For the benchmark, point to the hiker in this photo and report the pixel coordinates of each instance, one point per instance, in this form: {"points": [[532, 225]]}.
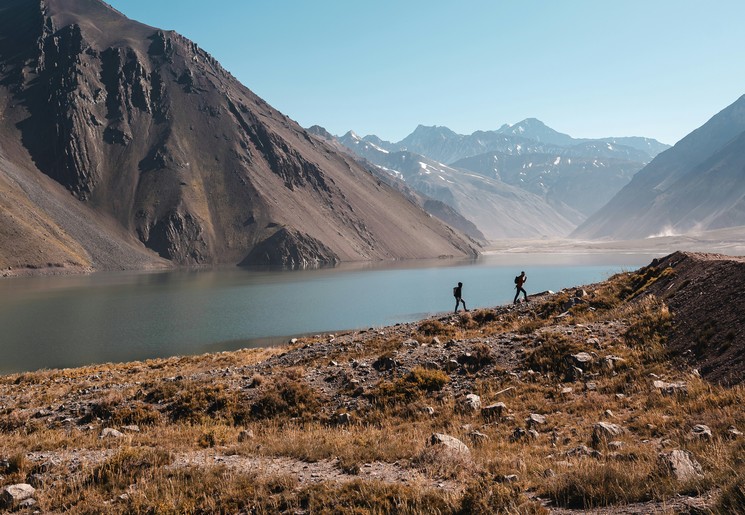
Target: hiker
{"points": [[519, 281], [457, 293]]}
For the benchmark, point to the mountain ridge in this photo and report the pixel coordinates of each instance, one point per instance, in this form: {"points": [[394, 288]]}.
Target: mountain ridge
{"points": [[146, 128]]}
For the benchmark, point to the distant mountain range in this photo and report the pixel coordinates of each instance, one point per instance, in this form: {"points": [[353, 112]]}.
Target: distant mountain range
{"points": [[521, 181], [125, 146], [697, 185]]}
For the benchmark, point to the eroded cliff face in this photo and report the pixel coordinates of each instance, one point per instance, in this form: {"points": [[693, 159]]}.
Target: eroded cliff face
{"points": [[145, 126]]}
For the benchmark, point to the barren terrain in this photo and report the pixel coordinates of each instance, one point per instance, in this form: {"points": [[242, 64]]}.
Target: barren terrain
{"points": [[583, 399]]}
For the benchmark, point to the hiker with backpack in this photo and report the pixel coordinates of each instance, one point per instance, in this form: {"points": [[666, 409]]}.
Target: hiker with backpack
{"points": [[458, 294], [519, 281]]}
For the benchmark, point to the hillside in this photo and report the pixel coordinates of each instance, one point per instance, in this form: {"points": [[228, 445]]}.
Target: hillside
{"points": [[578, 400], [696, 185], [525, 180], [170, 159]]}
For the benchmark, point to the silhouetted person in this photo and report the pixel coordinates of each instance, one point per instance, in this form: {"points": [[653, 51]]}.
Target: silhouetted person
{"points": [[458, 294], [519, 281]]}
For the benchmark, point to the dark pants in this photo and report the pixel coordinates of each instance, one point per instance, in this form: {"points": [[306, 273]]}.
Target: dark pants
{"points": [[458, 300], [517, 294]]}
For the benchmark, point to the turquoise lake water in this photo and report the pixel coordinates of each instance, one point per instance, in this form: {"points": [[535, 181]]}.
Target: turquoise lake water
{"points": [[66, 321]]}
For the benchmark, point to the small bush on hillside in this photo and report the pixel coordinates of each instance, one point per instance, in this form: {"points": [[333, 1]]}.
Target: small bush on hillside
{"points": [[409, 388], [128, 466], [551, 356], [485, 496], [435, 328], [286, 397]]}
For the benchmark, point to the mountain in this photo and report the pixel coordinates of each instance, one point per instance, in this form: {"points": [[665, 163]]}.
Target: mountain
{"points": [[436, 208], [697, 185], [498, 209], [583, 183], [166, 158], [529, 136], [573, 178]]}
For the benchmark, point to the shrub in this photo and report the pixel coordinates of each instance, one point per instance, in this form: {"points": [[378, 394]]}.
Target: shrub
{"points": [[127, 466], [408, 388], [485, 496], [286, 397], [551, 356], [435, 328]]}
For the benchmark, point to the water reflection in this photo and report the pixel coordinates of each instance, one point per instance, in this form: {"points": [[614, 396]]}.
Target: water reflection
{"points": [[69, 321]]}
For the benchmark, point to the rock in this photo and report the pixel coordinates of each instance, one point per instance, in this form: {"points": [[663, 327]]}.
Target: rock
{"points": [[449, 442], [534, 419], [245, 435], [27, 503], [591, 386], [680, 465], [343, 419], [615, 445], [582, 360], [429, 410], [608, 414], [411, 342], [509, 478], [384, 363], [12, 495], [612, 362], [518, 434], [567, 390], [603, 432], [478, 438], [533, 434], [470, 404], [451, 365], [583, 450], [131, 429], [493, 411], [733, 432], [436, 341], [701, 431], [110, 432], [664, 388]]}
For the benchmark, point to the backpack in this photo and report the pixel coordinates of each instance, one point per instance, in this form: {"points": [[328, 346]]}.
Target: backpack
{"points": [[455, 291], [517, 279]]}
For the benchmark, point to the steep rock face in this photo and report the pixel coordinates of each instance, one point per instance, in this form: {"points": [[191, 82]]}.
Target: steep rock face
{"points": [[290, 249], [144, 126], [694, 186]]}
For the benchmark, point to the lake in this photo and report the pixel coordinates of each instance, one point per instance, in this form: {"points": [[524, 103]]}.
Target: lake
{"points": [[67, 321]]}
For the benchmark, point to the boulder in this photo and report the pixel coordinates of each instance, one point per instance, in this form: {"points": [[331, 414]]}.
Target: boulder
{"points": [[477, 437], [733, 433], [493, 411], [680, 465], [664, 388], [110, 432], [534, 419], [12, 495], [582, 360], [450, 443], [701, 432], [605, 432], [470, 404]]}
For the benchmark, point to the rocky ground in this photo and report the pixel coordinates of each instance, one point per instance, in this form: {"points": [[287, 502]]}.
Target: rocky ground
{"points": [[528, 404]]}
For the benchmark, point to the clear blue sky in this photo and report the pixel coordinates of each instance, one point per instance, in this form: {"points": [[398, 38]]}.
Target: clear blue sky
{"points": [[589, 68]]}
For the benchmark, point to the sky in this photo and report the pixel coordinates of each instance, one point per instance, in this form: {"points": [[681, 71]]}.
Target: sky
{"points": [[587, 68]]}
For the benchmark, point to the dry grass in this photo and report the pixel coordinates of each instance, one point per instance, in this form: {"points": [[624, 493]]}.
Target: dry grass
{"points": [[206, 404]]}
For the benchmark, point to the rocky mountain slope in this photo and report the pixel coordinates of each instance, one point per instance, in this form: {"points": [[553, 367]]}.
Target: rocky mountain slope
{"points": [[568, 178], [171, 158], [697, 185], [496, 208]]}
